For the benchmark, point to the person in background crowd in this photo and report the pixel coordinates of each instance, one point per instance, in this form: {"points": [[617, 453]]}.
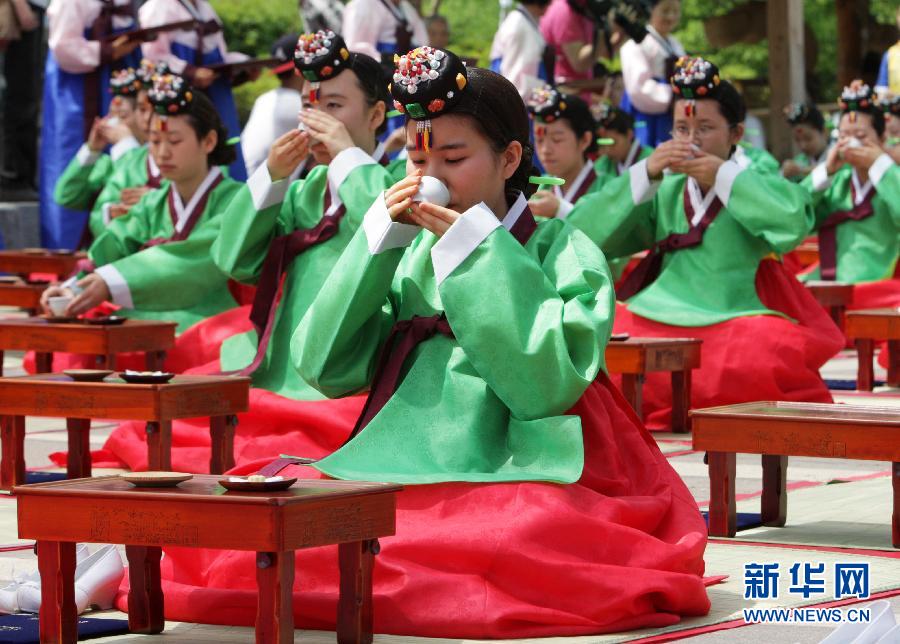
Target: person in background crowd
{"points": [[321, 15], [646, 68], [21, 100], [438, 28], [382, 28], [191, 52], [808, 129], [569, 30], [76, 90], [519, 51], [889, 72], [275, 112], [891, 109]]}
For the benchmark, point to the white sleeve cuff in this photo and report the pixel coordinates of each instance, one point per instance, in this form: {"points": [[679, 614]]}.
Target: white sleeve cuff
{"points": [[105, 210], [642, 188], [264, 192], [819, 176], [123, 146], [86, 156], [118, 287], [463, 237], [344, 163], [725, 177], [382, 233], [564, 208], [879, 168]]}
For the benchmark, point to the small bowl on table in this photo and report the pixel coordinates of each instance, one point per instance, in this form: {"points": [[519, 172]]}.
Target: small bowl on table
{"points": [[146, 377]]}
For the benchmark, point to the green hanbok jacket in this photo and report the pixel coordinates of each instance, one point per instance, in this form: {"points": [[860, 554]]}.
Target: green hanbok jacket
{"points": [[263, 210], [530, 324], [607, 169], [177, 280], [714, 281], [751, 158], [867, 250]]}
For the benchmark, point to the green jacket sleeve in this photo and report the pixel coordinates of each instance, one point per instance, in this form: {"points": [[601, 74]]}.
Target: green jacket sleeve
{"points": [[125, 235], [613, 220], [771, 208], [80, 184], [337, 343], [541, 341], [888, 188]]}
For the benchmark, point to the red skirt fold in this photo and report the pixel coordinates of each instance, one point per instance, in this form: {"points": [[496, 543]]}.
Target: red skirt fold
{"points": [[761, 357], [620, 549]]}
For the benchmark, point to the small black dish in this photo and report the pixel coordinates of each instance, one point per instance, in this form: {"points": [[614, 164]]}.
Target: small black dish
{"points": [[109, 320], [142, 378]]}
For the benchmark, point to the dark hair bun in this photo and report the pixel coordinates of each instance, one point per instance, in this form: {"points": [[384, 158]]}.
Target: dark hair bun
{"points": [[427, 82], [125, 82], [150, 69], [321, 55], [610, 117], [170, 95], [546, 104], [695, 78], [804, 114], [890, 105]]}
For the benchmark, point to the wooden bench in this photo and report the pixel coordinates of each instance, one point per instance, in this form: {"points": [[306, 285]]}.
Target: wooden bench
{"points": [[104, 341], [23, 295], [777, 430], [58, 396], [834, 298], [867, 326], [20, 262], [636, 357], [201, 514]]}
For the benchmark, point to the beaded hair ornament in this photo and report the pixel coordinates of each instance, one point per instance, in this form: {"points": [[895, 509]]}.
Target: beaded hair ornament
{"points": [[546, 105], [125, 83], [796, 113], [318, 57], [170, 96], [427, 82], [856, 97], [149, 69], [890, 106], [694, 78]]}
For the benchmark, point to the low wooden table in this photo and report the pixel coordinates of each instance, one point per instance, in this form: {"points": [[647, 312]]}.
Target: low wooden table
{"points": [[781, 429], [105, 341], [23, 295], [61, 264], [200, 514], [635, 357], [808, 252], [834, 298], [867, 326], [58, 396]]}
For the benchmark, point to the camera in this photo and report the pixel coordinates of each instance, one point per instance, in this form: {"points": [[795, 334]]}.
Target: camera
{"points": [[631, 15]]}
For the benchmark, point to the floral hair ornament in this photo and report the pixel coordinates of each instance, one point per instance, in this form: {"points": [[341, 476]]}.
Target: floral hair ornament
{"points": [[124, 83], [694, 78], [427, 82], [318, 57], [890, 106], [170, 96], [856, 97], [149, 69], [796, 113]]}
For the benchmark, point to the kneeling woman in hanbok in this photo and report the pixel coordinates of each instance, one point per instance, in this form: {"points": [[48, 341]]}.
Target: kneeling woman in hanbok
{"points": [[535, 503], [154, 262], [712, 227]]}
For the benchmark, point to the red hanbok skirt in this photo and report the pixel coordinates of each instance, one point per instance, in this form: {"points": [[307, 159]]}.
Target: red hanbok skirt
{"points": [[760, 357], [620, 549]]}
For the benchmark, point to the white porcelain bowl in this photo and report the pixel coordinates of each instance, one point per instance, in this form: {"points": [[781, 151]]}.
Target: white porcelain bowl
{"points": [[58, 304], [433, 191]]}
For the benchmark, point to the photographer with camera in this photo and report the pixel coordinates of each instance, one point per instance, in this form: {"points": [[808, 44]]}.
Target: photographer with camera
{"points": [[646, 66]]}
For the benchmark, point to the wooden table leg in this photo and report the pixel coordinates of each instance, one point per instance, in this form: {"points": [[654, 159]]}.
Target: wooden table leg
{"points": [[221, 431], [865, 375], [43, 362], [632, 389], [58, 616], [895, 523], [893, 371], [774, 490], [274, 610], [159, 446], [681, 401], [79, 461], [722, 509], [145, 596], [155, 360], [1, 363], [354, 618], [12, 462]]}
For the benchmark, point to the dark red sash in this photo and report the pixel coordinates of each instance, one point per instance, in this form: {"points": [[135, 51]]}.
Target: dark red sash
{"points": [[282, 251], [193, 218], [828, 232], [585, 185], [153, 181], [646, 272]]}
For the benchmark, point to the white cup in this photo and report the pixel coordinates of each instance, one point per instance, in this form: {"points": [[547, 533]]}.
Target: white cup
{"points": [[433, 191], [59, 304]]}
